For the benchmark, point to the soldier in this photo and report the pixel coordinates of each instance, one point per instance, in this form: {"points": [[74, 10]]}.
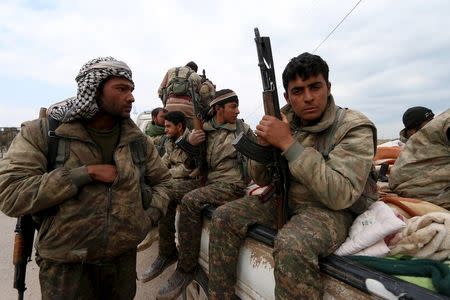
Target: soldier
{"points": [[224, 182], [323, 186], [180, 167], [175, 90], [423, 168], [414, 119], [94, 202], [179, 163], [155, 129]]}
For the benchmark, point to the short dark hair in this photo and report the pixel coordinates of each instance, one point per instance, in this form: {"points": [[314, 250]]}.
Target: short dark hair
{"points": [[305, 65], [155, 113], [176, 117], [192, 65]]}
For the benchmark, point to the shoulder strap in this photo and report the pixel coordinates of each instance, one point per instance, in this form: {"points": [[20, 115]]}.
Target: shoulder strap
{"points": [[55, 153], [52, 143], [239, 126], [324, 142], [177, 70], [161, 147], [242, 159], [139, 150]]}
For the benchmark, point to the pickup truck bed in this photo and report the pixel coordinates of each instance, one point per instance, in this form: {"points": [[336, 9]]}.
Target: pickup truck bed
{"points": [[343, 278]]}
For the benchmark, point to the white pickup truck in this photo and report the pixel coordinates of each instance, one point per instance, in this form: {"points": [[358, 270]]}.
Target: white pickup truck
{"points": [[343, 278]]}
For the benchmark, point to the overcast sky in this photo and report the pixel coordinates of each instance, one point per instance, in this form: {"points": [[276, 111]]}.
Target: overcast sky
{"points": [[385, 57]]}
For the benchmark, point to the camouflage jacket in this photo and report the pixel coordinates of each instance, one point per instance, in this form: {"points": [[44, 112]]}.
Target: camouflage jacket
{"points": [[337, 182], [93, 221], [423, 168], [177, 160], [221, 156]]}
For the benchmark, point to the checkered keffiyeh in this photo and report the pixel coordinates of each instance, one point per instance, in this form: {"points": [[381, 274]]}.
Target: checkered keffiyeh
{"points": [[84, 105]]}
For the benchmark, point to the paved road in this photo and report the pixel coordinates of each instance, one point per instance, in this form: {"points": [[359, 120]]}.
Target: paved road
{"points": [[144, 291]]}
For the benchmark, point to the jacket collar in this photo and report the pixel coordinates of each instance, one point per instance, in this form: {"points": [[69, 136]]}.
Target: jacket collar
{"points": [[77, 130], [211, 126], [402, 135], [183, 136], [325, 122]]}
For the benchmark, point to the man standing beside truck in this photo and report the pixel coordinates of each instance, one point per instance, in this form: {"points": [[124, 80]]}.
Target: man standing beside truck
{"points": [[106, 188], [329, 151]]}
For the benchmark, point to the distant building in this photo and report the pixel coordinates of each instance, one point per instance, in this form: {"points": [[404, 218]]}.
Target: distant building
{"points": [[7, 134]]}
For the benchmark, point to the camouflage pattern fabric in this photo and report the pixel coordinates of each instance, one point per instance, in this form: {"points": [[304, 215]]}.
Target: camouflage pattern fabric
{"points": [[222, 158], [423, 168], [94, 221], [166, 226], [115, 279], [338, 181], [179, 163], [321, 192], [311, 233], [190, 223]]}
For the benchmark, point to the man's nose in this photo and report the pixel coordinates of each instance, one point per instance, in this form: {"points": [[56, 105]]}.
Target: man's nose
{"points": [[308, 95], [131, 98]]}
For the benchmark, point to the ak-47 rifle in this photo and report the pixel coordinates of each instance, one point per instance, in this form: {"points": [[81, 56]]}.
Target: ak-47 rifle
{"points": [[23, 243], [23, 246], [197, 152], [270, 156]]}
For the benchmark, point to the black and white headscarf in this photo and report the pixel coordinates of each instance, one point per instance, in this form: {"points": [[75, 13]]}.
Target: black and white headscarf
{"points": [[84, 105]]}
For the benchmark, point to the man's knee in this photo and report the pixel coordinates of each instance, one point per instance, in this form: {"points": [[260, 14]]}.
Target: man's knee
{"points": [[189, 200], [222, 218], [293, 247]]}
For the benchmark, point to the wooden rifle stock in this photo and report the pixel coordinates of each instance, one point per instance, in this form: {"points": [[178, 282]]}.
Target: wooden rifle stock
{"points": [[23, 247]]}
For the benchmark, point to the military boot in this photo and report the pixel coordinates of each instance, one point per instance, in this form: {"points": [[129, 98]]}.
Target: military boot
{"points": [[174, 286], [158, 266]]}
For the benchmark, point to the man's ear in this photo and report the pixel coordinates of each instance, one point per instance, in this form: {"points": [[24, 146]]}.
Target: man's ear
{"points": [[329, 88], [217, 108], [286, 97]]}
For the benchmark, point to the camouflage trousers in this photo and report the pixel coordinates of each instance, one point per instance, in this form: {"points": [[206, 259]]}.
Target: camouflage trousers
{"points": [[166, 225], [115, 279], [190, 222], [312, 232]]}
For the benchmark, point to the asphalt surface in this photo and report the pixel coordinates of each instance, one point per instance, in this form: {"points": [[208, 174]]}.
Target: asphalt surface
{"points": [[146, 290]]}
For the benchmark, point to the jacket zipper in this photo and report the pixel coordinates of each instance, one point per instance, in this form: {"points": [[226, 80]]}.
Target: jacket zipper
{"points": [[108, 208], [108, 211]]}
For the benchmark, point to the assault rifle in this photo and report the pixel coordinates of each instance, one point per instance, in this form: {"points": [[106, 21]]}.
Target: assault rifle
{"points": [[270, 156], [23, 246], [23, 243], [197, 152]]}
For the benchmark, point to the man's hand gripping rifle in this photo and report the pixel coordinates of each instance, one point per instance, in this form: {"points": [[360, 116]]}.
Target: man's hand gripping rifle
{"points": [[270, 156]]}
